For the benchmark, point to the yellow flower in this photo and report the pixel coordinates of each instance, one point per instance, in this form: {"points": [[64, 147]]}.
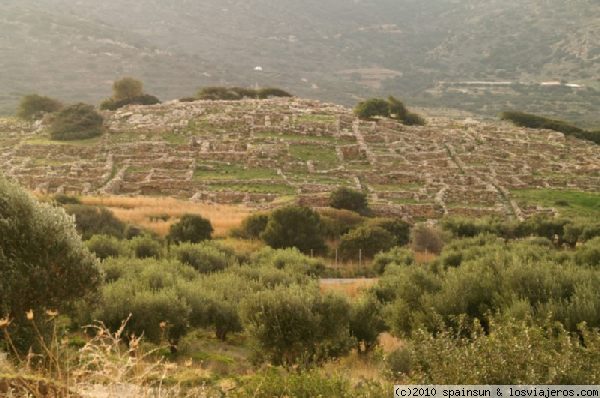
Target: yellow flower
{"points": [[29, 315], [52, 313]]}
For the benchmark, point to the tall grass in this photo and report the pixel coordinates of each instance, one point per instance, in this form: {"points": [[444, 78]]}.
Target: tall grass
{"points": [[158, 214]]}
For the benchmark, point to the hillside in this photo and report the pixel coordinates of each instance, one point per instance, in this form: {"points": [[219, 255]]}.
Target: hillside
{"points": [[264, 153], [428, 52]]}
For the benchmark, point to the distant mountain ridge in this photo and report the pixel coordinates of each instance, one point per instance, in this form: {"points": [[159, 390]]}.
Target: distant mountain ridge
{"points": [[335, 50]]}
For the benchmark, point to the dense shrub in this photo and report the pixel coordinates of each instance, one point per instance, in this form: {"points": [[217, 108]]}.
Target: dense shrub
{"points": [[397, 255], [127, 88], [371, 108], [111, 104], [349, 199], [426, 239], [35, 106], [366, 241], [366, 322], [66, 200], [290, 260], [105, 246], [295, 325], [239, 93], [529, 354], [145, 247], [253, 226], [203, 257], [336, 222], [589, 253], [76, 122], [91, 220], [43, 262], [191, 228], [294, 226], [399, 229]]}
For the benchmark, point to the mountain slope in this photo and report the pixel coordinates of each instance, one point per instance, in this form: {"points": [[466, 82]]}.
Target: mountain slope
{"points": [[334, 49]]}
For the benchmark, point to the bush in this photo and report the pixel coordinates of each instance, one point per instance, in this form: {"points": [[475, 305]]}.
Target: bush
{"points": [[145, 99], [399, 229], [397, 256], [191, 228], [253, 226], [366, 323], [349, 199], [426, 239], [76, 122], [291, 260], [239, 93], [589, 253], [294, 226], [127, 88], [295, 325], [66, 200], [91, 221], [145, 247], [365, 240], [104, 246], [33, 107], [203, 257], [371, 108], [43, 262], [336, 223]]}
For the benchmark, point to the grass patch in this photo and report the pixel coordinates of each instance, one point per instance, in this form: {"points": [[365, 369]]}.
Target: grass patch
{"points": [[234, 172], [295, 137], [322, 156], [568, 203], [279, 189], [175, 139], [42, 140], [317, 118]]}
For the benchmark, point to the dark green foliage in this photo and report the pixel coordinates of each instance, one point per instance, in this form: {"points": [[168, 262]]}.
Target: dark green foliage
{"points": [[66, 200], [203, 257], [239, 93], [91, 220], [76, 122], [397, 256], [145, 247], [391, 108], [349, 199], [104, 246], [43, 262], [191, 228], [35, 106], [399, 229], [371, 108], [530, 354], [366, 322], [127, 88], [295, 325], [338, 222], [426, 239], [413, 119], [539, 122], [253, 226], [294, 226], [187, 99], [399, 361], [366, 241], [145, 99]]}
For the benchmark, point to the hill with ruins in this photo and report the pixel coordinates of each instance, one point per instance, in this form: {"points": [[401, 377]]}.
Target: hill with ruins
{"points": [[263, 153], [484, 56]]}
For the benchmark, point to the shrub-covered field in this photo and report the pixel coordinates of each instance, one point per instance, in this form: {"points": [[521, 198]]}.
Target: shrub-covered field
{"points": [[188, 314]]}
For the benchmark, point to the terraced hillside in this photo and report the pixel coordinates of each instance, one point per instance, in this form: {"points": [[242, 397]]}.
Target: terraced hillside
{"points": [[263, 153]]}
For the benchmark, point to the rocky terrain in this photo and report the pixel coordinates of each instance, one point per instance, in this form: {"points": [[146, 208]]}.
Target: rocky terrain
{"points": [[264, 152]]}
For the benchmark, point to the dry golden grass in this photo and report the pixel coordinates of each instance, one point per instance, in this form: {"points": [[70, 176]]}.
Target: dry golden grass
{"points": [[423, 258], [389, 343], [350, 289], [243, 246], [158, 214]]}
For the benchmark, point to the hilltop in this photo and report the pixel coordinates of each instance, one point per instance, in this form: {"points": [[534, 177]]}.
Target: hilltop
{"points": [[268, 152], [431, 53]]}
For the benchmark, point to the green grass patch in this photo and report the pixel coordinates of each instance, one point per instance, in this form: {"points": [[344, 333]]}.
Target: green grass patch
{"points": [[323, 157], [279, 189], [43, 140], [175, 139], [568, 203], [395, 187], [317, 118], [234, 172], [295, 137]]}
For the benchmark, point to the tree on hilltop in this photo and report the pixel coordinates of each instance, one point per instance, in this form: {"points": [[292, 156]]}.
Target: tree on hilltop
{"points": [[128, 91], [33, 107]]}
